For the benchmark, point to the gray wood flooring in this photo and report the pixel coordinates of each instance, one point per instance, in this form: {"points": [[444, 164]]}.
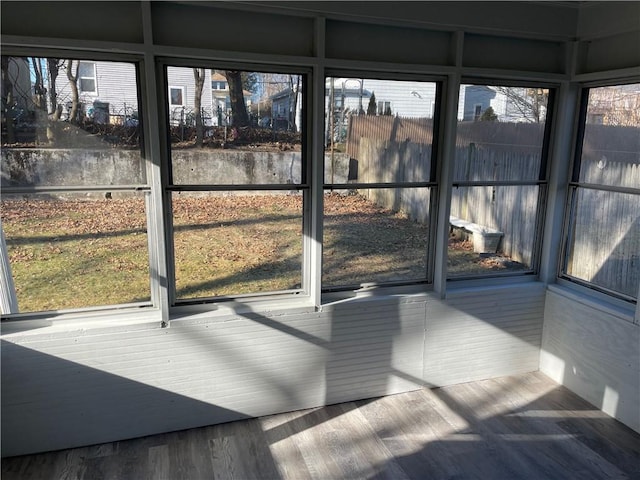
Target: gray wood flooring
{"points": [[520, 427]]}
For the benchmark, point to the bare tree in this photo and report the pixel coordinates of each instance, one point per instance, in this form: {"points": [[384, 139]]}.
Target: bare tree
{"points": [[72, 76], [7, 100], [199, 77], [239, 116], [529, 104], [294, 86], [617, 105], [40, 99], [53, 69]]}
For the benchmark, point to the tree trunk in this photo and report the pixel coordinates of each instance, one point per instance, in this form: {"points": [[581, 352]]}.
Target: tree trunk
{"points": [[239, 116], [75, 96], [198, 75], [294, 101], [7, 100], [40, 101], [55, 110]]}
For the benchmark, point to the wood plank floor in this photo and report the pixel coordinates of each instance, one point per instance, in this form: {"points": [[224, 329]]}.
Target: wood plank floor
{"points": [[520, 427]]}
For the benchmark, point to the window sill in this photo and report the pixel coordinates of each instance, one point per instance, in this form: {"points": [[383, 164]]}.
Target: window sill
{"points": [[126, 319], [457, 286], [619, 309], [186, 315]]}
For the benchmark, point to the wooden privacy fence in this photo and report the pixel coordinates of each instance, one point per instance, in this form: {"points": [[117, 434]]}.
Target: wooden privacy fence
{"points": [[393, 149], [606, 240], [388, 149], [387, 129]]}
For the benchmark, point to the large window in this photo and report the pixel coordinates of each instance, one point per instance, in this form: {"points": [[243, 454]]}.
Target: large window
{"points": [[603, 232], [379, 182], [74, 188], [499, 179], [238, 193]]}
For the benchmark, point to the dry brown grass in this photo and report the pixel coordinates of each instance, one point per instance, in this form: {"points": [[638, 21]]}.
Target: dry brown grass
{"points": [[80, 253]]}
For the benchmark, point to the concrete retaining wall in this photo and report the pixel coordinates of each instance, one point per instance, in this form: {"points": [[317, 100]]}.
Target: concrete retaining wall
{"points": [[78, 167]]}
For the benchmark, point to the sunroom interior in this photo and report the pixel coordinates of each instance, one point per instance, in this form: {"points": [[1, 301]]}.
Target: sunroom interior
{"points": [[419, 195]]}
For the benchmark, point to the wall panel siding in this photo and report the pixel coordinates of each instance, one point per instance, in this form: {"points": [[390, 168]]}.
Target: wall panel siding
{"points": [[594, 353], [90, 386], [484, 334]]}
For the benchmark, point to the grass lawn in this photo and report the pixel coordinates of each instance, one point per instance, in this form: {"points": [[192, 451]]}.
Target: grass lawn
{"points": [[80, 253]]}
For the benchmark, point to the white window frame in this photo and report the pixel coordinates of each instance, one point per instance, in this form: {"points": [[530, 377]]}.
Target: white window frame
{"points": [[409, 285], [93, 92], [299, 297], [182, 96], [542, 182], [575, 187], [8, 298]]}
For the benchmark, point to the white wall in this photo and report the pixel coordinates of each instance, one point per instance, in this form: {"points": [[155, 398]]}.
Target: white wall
{"points": [[80, 385], [595, 352]]}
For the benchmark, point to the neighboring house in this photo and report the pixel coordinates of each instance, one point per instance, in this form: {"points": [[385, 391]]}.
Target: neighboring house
{"points": [[282, 109], [408, 99], [478, 98], [181, 85], [221, 100], [108, 93]]}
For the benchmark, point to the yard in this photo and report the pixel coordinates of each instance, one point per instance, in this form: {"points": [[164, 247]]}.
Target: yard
{"points": [[67, 254]]}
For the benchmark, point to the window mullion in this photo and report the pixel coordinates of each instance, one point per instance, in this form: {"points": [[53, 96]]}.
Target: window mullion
{"points": [[151, 87]]}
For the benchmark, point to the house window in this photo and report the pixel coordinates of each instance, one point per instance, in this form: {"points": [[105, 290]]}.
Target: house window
{"points": [[499, 179], [176, 96], [379, 184], [384, 108], [477, 112], [73, 213], [87, 77], [602, 247], [238, 215]]}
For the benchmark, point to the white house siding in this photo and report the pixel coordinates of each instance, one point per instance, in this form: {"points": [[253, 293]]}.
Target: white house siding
{"points": [[404, 102], [79, 386], [183, 77], [593, 352], [115, 85]]}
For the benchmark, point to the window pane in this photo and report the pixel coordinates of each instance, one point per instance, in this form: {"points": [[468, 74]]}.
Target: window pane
{"points": [[378, 131], [604, 245], [67, 141], [612, 137], [501, 133], [72, 249], [248, 134], [492, 229], [87, 85], [74, 253], [237, 244], [86, 69], [367, 240], [176, 96]]}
